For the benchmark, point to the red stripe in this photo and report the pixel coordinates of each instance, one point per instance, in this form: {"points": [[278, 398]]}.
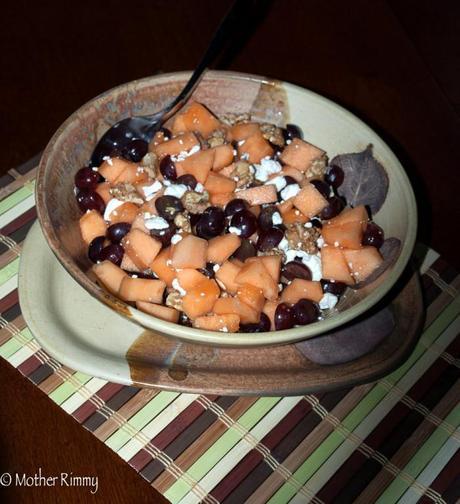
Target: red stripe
{"points": [[88, 408], [17, 223], [9, 301], [29, 365]]}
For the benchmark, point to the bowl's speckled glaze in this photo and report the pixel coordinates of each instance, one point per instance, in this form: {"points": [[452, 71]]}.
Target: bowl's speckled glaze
{"points": [[323, 122]]}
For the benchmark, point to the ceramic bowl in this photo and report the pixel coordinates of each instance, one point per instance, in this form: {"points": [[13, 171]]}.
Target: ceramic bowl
{"points": [[323, 122]]}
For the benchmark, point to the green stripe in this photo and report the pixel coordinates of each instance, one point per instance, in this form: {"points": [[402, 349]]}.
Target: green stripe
{"points": [[420, 459], [141, 419], [16, 197], [364, 407], [224, 444], [66, 389], [9, 271], [11, 346]]}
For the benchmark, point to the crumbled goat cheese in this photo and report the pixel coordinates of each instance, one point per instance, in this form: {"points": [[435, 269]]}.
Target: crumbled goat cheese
{"points": [[176, 239], [312, 262], [320, 242], [224, 329], [283, 244], [176, 285], [279, 182], [216, 268], [177, 190], [185, 154], [266, 168], [290, 191], [108, 159], [156, 222], [328, 301], [150, 191], [234, 230], [308, 225], [111, 205], [276, 218], [199, 187]]}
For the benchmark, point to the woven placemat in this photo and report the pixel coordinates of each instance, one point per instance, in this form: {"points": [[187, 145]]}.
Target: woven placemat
{"points": [[395, 440]]}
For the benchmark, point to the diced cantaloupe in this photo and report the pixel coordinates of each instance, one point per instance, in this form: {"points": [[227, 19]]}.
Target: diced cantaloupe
{"points": [[128, 265], [241, 131], [162, 269], [142, 289], [92, 225], [221, 199], [149, 206], [200, 300], [190, 252], [139, 223], [189, 278], [132, 174], [259, 195], [334, 265], [222, 247], [109, 275], [310, 201], [269, 310], [127, 212], [227, 322], [300, 154], [199, 165], [271, 262], [255, 209], [196, 117], [141, 248], [302, 289], [357, 214], [113, 167], [285, 206], [293, 216], [256, 274], [347, 235], [252, 296], [223, 156], [173, 147], [218, 184], [247, 314], [255, 148], [162, 312], [103, 189], [226, 276], [362, 262], [290, 171]]}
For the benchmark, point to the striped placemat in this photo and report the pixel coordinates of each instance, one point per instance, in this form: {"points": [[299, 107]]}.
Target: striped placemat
{"points": [[395, 440]]}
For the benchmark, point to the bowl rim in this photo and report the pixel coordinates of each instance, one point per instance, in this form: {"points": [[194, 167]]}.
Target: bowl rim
{"points": [[215, 337]]}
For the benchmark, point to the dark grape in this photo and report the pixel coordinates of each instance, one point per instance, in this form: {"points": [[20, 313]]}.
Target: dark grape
{"points": [[184, 320], [296, 269], [316, 223], [305, 312], [262, 326], [113, 252], [373, 235], [211, 223], [164, 235], [86, 178], [336, 288], [116, 232], [188, 180], [322, 187], [194, 218], [90, 200], [95, 248], [166, 133], [335, 176], [290, 180], [269, 239], [245, 250], [336, 205], [291, 131], [284, 317], [168, 168], [246, 222], [265, 218], [277, 150], [168, 207], [135, 150], [234, 206], [208, 270]]}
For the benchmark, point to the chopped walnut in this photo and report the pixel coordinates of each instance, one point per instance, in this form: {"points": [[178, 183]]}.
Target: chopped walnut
{"points": [[126, 192], [150, 164], [217, 138], [195, 202], [182, 222], [232, 119], [272, 133], [174, 300], [302, 238], [317, 169], [243, 174]]}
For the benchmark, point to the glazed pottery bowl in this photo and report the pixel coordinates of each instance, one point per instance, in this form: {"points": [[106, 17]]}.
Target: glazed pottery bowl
{"points": [[323, 122]]}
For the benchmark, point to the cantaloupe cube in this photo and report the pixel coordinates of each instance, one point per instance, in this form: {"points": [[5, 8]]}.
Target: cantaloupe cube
{"points": [[252, 296], [300, 154], [196, 118], [255, 148], [199, 165], [290, 171], [124, 213], [269, 310], [189, 278], [221, 199], [162, 312], [294, 215], [259, 195], [255, 209], [247, 314], [241, 131], [200, 300], [103, 189], [227, 170], [285, 206], [141, 289], [141, 248], [347, 235], [173, 147], [217, 183], [109, 275], [92, 225], [112, 167], [190, 252], [271, 262], [357, 214], [128, 265], [162, 269], [334, 265], [133, 174], [223, 156], [149, 206], [139, 223], [226, 275], [362, 262], [256, 274], [302, 289], [227, 322], [222, 247], [310, 201]]}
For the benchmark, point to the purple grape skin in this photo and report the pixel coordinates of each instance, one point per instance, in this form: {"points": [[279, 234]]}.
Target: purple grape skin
{"points": [[305, 312], [296, 269], [321, 187], [373, 236], [234, 206], [292, 131], [95, 248], [116, 232], [336, 288], [208, 270], [90, 200], [113, 253], [168, 168], [284, 317], [262, 326], [135, 150], [168, 207], [290, 180], [265, 218], [336, 205], [164, 235], [86, 178], [194, 218], [188, 180], [211, 223], [166, 133], [315, 222], [246, 222], [335, 176], [245, 250], [269, 239]]}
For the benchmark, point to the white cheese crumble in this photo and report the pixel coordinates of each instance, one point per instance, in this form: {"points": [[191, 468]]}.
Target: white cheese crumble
{"points": [[320, 242], [276, 218], [176, 190], [290, 191], [199, 187], [279, 182], [150, 191], [185, 154], [176, 239], [328, 301], [156, 222], [312, 262], [108, 159], [308, 225], [266, 168], [216, 268], [111, 205], [176, 285], [224, 329], [283, 244], [234, 230]]}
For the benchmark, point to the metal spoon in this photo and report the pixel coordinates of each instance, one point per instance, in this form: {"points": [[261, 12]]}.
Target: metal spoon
{"points": [[143, 128]]}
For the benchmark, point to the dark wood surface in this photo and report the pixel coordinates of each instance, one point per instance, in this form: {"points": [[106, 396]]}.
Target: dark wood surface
{"points": [[394, 63]]}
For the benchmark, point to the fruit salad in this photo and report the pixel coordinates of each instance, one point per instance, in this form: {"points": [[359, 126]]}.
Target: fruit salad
{"points": [[225, 224]]}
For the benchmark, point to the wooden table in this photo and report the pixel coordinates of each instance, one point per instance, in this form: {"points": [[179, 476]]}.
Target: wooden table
{"points": [[394, 63]]}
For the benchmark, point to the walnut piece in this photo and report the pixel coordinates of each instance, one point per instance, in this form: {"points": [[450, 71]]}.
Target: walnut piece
{"points": [[174, 300], [182, 222], [317, 168], [302, 238], [243, 174], [232, 119], [150, 164], [272, 133], [217, 138], [195, 202], [126, 192]]}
